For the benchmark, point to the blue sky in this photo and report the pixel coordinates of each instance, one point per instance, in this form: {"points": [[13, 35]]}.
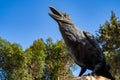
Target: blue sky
{"points": [[24, 21]]}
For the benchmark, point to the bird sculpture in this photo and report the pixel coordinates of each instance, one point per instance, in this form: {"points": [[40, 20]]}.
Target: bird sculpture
{"points": [[82, 46]]}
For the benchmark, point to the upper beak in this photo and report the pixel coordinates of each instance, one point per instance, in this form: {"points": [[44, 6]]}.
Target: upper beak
{"points": [[56, 14]]}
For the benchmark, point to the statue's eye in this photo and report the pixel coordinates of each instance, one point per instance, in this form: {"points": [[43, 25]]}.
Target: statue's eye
{"points": [[65, 15]]}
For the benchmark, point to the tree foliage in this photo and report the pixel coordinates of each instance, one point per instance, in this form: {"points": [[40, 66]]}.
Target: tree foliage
{"points": [[12, 61], [36, 59], [41, 61], [109, 38], [58, 61]]}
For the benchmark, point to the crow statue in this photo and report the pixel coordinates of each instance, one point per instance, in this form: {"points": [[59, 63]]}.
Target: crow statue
{"points": [[82, 46]]}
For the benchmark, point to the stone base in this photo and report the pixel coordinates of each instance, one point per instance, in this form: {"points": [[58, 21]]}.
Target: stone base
{"points": [[89, 77]]}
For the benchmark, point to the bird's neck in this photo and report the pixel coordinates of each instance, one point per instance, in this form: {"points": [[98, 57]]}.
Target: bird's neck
{"points": [[68, 32]]}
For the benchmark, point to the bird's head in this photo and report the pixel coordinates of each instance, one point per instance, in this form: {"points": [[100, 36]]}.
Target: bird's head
{"points": [[60, 17]]}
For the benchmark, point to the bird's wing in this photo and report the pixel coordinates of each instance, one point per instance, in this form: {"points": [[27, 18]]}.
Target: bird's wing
{"points": [[92, 40]]}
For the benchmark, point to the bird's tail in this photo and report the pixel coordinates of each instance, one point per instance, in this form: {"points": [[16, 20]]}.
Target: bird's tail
{"points": [[104, 71]]}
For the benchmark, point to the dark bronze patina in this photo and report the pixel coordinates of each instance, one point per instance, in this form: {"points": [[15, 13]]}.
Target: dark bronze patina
{"points": [[82, 46]]}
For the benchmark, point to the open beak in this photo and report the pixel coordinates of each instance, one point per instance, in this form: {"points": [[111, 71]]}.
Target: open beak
{"points": [[56, 15]]}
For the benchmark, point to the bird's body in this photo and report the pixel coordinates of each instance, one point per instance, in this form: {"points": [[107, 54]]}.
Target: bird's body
{"points": [[81, 45]]}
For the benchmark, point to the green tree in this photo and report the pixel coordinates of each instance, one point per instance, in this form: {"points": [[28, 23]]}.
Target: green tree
{"points": [[109, 38], [57, 62], [41, 61], [36, 59], [12, 61]]}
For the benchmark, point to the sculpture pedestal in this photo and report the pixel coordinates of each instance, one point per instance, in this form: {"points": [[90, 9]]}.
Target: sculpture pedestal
{"points": [[89, 77]]}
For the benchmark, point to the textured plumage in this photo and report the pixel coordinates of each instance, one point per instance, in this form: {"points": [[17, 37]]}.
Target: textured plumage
{"points": [[81, 45]]}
